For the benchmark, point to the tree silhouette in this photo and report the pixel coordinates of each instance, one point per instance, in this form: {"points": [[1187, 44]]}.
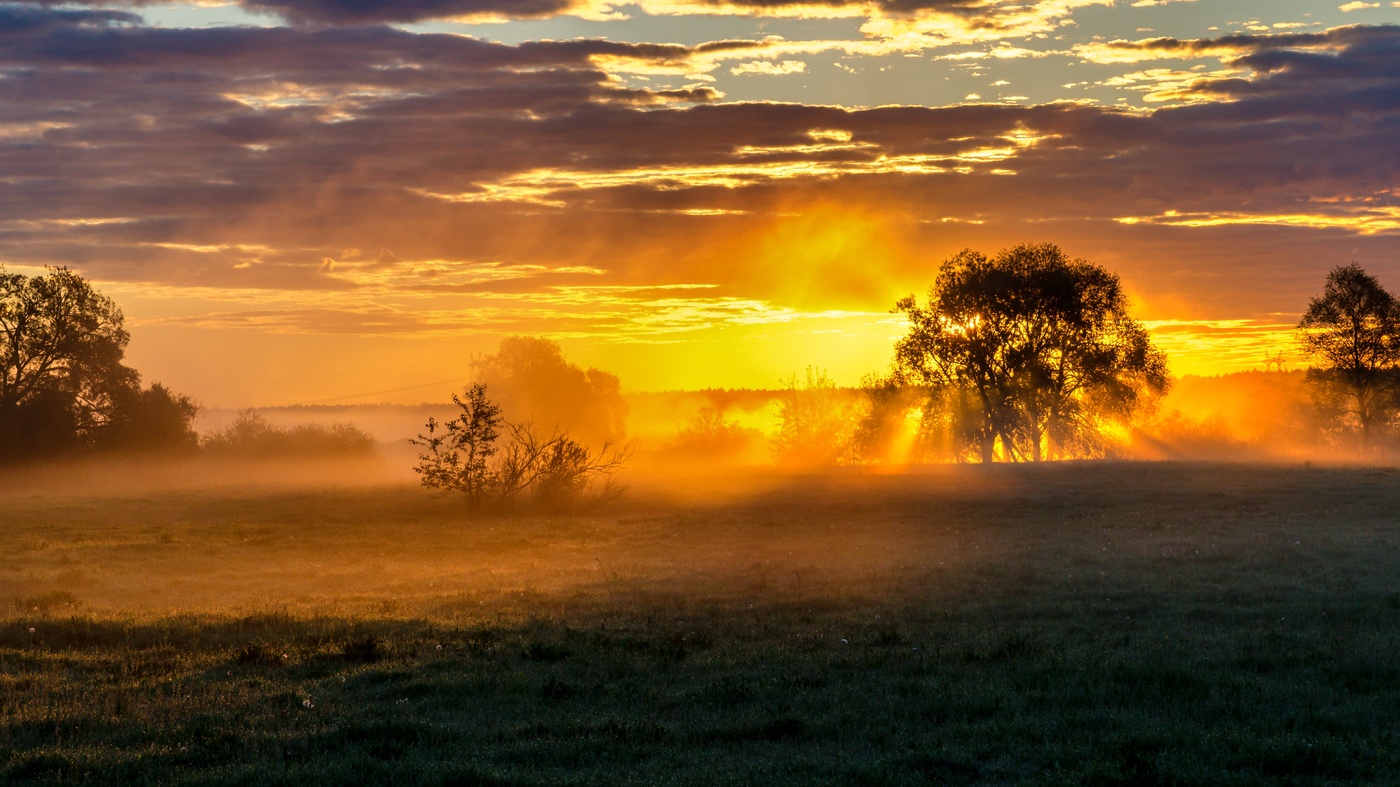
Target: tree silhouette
{"points": [[1353, 330], [154, 419], [1030, 352], [458, 453], [63, 386]]}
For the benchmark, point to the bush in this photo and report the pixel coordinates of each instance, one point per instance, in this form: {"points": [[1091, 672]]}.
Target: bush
{"points": [[709, 435], [251, 436], [463, 455]]}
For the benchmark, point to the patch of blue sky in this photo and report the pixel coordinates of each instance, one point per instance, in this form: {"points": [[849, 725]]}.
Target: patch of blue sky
{"points": [[186, 15]]}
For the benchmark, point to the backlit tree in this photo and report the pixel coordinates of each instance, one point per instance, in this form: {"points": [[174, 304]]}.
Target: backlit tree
{"points": [[1352, 332], [63, 386], [1033, 355]]}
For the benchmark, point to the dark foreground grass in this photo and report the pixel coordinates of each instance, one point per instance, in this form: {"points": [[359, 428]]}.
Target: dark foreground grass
{"points": [[1071, 625]]}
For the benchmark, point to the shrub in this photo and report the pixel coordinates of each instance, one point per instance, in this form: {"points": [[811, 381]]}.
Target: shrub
{"points": [[710, 435], [557, 472], [252, 436]]}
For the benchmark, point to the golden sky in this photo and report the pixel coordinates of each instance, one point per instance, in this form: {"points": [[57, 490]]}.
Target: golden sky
{"points": [[346, 200]]}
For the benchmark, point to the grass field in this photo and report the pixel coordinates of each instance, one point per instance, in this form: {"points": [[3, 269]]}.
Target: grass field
{"points": [[1068, 624]]}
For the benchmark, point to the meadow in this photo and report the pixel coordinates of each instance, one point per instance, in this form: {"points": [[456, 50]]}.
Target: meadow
{"points": [[1077, 623]]}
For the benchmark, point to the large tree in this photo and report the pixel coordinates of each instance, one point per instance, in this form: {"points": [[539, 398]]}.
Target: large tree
{"points": [[62, 382], [1029, 351], [533, 381], [1353, 332]]}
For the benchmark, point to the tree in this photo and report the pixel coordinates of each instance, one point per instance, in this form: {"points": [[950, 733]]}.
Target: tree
{"points": [[883, 433], [533, 381], [1030, 352], [458, 455], [63, 386], [816, 422], [154, 419], [709, 435], [1353, 330], [462, 455]]}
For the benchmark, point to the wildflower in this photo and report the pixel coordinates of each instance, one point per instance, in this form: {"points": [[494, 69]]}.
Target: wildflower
{"points": [[439, 647], [307, 704], [31, 629]]}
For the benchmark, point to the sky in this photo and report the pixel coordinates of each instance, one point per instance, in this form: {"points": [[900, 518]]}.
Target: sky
{"points": [[345, 201]]}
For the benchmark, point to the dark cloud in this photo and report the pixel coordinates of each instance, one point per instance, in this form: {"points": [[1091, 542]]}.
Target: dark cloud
{"points": [[1255, 49], [17, 19], [352, 12], [363, 12]]}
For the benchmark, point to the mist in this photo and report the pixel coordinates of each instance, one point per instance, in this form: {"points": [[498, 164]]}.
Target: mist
{"points": [[716, 444]]}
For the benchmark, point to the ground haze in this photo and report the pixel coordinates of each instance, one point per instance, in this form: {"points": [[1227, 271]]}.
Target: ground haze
{"points": [[1110, 623]]}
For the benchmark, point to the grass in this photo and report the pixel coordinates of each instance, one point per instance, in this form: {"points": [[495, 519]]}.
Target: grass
{"points": [[1073, 624]]}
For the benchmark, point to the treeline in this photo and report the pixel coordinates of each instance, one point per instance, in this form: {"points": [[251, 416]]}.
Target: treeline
{"points": [[1023, 356]]}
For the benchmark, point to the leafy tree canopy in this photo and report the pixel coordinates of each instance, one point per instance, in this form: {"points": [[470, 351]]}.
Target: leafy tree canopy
{"points": [[1032, 353], [532, 381], [1352, 331], [63, 386]]}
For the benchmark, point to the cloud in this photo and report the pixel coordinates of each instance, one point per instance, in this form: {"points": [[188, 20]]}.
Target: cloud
{"points": [[497, 187], [770, 68], [908, 24], [355, 12], [1228, 47]]}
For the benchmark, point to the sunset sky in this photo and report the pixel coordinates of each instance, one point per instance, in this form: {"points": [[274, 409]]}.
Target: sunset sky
{"points": [[317, 201]]}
